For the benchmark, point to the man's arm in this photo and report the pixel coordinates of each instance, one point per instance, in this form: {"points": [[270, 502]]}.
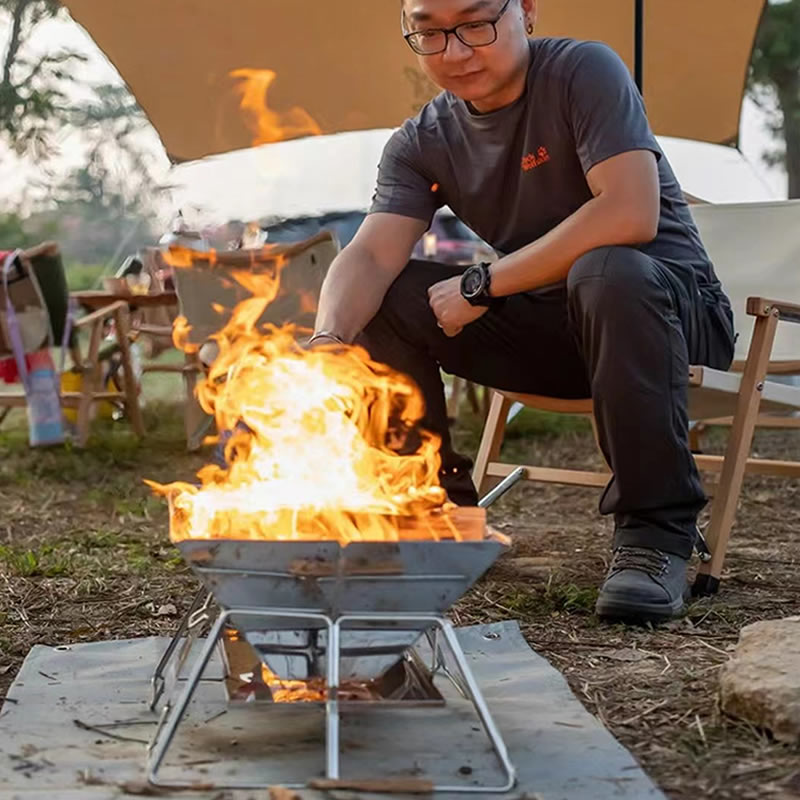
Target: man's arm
{"points": [[361, 274], [625, 210]]}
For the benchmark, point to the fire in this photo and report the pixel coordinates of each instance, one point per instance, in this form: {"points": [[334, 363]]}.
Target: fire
{"points": [[257, 675], [319, 443], [285, 691], [268, 125]]}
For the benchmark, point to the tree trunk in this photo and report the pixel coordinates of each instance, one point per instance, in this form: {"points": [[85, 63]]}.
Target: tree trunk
{"points": [[789, 99], [14, 41], [792, 132]]}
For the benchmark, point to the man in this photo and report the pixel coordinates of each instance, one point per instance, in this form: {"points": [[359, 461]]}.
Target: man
{"points": [[603, 289]]}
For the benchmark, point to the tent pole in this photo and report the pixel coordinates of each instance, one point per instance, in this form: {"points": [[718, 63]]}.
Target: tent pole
{"points": [[638, 48]]}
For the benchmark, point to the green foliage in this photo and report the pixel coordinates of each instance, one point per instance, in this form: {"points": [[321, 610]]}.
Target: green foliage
{"points": [[529, 424], [775, 69], [16, 232], [556, 597], [46, 561], [776, 57], [83, 276], [569, 597]]}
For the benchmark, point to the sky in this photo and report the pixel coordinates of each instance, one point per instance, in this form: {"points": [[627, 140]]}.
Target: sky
{"points": [[337, 172]]}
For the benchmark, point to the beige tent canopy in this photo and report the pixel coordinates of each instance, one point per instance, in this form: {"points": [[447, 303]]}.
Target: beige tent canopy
{"points": [[346, 65]]}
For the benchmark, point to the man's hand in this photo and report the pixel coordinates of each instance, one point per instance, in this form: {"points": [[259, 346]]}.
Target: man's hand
{"points": [[452, 311]]}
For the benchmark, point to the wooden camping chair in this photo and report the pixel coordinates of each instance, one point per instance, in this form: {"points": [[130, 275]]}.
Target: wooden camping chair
{"points": [[205, 286], [767, 235], [45, 266], [746, 398]]}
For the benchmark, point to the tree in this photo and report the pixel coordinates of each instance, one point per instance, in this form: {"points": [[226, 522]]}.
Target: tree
{"points": [[33, 101], [36, 102], [106, 199], [775, 70], [14, 232], [110, 123]]}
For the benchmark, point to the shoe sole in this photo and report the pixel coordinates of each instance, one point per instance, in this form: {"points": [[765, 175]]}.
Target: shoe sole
{"points": [[637, 612]]}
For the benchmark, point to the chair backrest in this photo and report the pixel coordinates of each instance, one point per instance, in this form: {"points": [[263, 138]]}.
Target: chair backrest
{"points": [[204, 286], [37, 289], [755, 248]]}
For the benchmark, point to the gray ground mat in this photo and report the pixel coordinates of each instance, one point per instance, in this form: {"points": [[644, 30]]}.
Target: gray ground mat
{"points": [[561, 752]]}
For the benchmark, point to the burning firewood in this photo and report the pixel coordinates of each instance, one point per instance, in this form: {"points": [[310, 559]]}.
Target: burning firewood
{"points": [[312, 449]]}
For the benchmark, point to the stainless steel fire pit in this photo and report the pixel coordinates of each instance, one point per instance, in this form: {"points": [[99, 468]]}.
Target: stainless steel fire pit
{"points": [[340, 616]]}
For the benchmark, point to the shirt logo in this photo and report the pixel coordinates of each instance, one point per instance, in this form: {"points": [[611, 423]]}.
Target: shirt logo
{"points": [[533, 160]]}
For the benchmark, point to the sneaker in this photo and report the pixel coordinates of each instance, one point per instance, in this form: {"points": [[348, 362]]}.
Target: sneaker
{"points": [[644, 585]]}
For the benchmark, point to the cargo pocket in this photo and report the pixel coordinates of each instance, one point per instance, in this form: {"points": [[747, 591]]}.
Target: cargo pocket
{"points": [[721, 333]]}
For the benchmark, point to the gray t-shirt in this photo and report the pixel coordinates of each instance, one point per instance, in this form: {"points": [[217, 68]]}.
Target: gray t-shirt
{"points": [[514, 174]]}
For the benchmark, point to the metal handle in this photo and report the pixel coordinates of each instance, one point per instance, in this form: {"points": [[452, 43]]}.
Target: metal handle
{"points": [[507, 483]]}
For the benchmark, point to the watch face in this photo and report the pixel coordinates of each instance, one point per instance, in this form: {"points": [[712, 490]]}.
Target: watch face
{"points": [[473, 282]]}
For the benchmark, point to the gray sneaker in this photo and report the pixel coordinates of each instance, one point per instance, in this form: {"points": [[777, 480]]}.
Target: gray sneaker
{"points": [[644, 585]]}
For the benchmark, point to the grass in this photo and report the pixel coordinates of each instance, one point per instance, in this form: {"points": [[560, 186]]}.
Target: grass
{"points": [[569, 597], [557, 595], [529, 423], [83, 276]]}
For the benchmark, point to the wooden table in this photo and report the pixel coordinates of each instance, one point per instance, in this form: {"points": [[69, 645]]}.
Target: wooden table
{"points": [[101, 307], [94, 300]]}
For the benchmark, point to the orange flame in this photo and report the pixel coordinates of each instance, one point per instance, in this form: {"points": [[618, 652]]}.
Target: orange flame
{"points": [[288, 691], [268, 125], [313, 439]]}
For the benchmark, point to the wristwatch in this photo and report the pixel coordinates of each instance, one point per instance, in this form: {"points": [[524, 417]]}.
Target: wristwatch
{"points": [[475, 284]]}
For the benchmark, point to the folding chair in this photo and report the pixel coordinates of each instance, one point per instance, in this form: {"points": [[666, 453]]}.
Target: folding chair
{"points": [[740, 236], [755, 248], [46, 288], [205, 287]]}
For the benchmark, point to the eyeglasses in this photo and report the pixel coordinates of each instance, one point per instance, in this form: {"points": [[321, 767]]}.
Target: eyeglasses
{"points": [[473, 34]]}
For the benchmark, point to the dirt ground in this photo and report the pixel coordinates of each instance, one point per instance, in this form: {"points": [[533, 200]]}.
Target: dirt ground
{"points": [[84, 555]]}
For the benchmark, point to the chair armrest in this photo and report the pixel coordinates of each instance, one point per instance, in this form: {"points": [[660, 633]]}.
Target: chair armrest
{"points": [[100, 314], [154, 330], [761, 307]]}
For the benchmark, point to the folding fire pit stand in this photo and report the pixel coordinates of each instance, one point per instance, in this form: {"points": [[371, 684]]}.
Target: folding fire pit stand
{"points": [[359, 610]]}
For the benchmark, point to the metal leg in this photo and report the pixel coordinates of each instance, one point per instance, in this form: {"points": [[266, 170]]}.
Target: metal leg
{"points": [[157, 683], [332, 703], [439, 664], [701, 547], [172, 716], [473, 694], [483, 712]]}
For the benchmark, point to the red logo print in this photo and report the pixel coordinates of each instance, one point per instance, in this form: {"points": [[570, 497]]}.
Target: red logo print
{"points": [[533, 160]]}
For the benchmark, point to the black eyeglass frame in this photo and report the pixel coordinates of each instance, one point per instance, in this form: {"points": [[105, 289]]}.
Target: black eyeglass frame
{"points": [[454, 31]]}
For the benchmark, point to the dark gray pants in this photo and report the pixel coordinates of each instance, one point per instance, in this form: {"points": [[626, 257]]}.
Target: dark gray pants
{"points": [[623, 330]]}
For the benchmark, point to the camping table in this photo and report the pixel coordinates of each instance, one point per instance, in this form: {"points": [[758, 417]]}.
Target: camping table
{"points": [[196, 421], [93, 300]]}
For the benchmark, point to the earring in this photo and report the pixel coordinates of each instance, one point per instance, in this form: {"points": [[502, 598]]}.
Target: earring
{"points": [[530, 28]]}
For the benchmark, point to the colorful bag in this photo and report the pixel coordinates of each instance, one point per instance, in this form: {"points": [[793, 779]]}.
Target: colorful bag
{"points": [[24, 333]]}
